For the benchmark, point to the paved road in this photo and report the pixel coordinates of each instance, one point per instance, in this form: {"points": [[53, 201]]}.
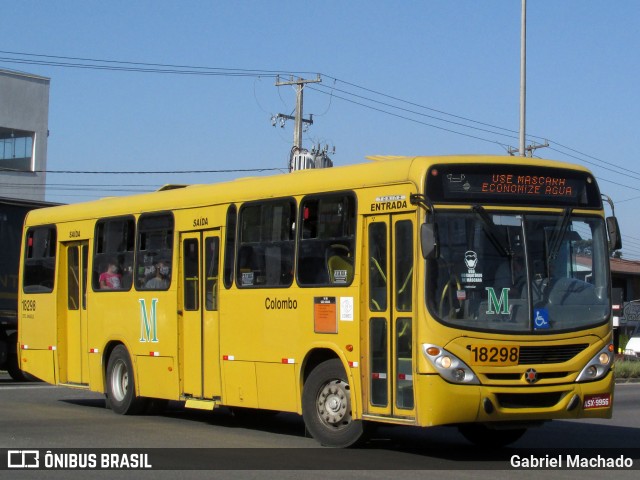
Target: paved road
{"points": [[40, 416]]}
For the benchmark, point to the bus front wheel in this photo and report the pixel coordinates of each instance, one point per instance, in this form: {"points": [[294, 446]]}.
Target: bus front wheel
{"points": [[326, 406], [121, 389]]}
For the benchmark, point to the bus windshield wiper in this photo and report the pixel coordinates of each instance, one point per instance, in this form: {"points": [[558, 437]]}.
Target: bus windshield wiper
{"points": [[493, 232], [556, 240]]}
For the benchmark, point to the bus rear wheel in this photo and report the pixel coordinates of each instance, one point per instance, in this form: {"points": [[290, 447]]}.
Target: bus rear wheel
{"points": [[326, 406], [121, 388]]}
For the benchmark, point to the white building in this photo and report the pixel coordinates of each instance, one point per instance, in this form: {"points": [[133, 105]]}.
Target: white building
{"points": [[24, 128]]}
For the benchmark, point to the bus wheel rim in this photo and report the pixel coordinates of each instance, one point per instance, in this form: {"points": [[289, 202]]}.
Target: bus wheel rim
{"points": [[334, 404], [120, 381]]}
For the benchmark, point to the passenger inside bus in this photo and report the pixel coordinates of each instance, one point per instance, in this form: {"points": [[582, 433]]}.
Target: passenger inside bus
{"points": [[161, 279], [111, 279]]}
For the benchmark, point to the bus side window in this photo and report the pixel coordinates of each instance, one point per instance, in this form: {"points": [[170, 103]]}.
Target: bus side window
{"points": [[40, 260], [154, 252], [266, 244], [327, 240], [113, 254], [230, 246]]}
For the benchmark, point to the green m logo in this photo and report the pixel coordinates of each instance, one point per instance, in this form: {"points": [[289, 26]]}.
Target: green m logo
{"points": [[498, 306], [148, 321]]}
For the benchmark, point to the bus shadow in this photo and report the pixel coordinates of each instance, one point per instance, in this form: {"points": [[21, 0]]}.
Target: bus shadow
{"points": [[86, 402], [442, 442], [266, 421], [6, 379], [557, 436], [238, 418]]}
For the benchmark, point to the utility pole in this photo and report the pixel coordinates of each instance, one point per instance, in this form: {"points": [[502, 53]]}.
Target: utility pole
{"points": [[523, 149], [529, 148], [298, 118], [523, 76], [299, 157]]}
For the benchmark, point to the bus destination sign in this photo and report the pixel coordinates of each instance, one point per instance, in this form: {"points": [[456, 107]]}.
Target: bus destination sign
{"points": [[527, 185], [512, 184]]}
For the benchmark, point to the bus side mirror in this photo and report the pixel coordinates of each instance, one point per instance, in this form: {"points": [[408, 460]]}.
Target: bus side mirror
{"points": [[615, 240], [429, 240]]}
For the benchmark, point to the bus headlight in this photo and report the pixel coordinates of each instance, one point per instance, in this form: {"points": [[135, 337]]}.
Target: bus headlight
{"points": [[598, 366], [450, 367]]}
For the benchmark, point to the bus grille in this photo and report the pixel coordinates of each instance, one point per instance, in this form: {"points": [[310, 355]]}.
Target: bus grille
{"points": [[549, 354], [518, 376], [529, 400]]}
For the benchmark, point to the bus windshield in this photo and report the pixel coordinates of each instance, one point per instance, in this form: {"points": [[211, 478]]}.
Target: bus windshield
{"points": [[519, 273]]}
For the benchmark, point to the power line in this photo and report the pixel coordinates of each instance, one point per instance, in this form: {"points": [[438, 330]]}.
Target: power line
{"points": [[96, 185], [635, 175], [597, 159], [415, 120], [146, 67], [420, 106], [601, 179], [80, 187], [414, 112], [143, 67], [147, 172], [161, 68], [627, 199]]}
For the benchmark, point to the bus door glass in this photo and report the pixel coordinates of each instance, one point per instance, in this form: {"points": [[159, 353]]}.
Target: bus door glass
{"points": [[74, 366], [389, 316], [199, 263]]}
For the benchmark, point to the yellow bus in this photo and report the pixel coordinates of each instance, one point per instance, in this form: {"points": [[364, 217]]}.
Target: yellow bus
{"points": [[462, 290]]}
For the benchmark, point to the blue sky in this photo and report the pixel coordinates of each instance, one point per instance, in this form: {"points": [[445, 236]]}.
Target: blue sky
{"points": [[444, 57]]}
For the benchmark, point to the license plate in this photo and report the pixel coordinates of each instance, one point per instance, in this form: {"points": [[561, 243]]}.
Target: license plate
{"points": [[496, 355], [601, 400]]}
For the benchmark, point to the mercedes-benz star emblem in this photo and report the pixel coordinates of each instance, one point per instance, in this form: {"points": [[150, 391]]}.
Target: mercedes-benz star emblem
{"points": [[531, 376]]}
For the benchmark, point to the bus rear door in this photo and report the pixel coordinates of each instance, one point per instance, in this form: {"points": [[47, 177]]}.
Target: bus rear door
{"points": [[73, 337], [199, 336]]}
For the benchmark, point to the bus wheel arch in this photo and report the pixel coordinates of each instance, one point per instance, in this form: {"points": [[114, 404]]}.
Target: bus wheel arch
{"points": [[327, 405], [321, 354], [314, 358], [120, 384], [13, 363]]}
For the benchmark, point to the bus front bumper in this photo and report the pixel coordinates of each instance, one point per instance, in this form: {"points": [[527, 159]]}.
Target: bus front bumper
{"points": [[443, 403]]}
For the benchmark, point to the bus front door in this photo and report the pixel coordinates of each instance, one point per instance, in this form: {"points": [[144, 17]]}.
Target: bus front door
{"points": [[199, 335], [73, 337], [389, 316]]}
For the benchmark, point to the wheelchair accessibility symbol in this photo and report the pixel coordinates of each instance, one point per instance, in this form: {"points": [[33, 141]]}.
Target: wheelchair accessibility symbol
{"points": [[540, 318]]}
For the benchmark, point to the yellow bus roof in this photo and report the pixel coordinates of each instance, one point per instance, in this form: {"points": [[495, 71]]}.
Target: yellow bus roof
{"points": [[384, 170]]}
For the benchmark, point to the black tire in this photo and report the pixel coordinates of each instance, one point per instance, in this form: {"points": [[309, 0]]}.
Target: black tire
{"points": [[326, 406], [121, 387], [484, 436], [15, 372]]}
